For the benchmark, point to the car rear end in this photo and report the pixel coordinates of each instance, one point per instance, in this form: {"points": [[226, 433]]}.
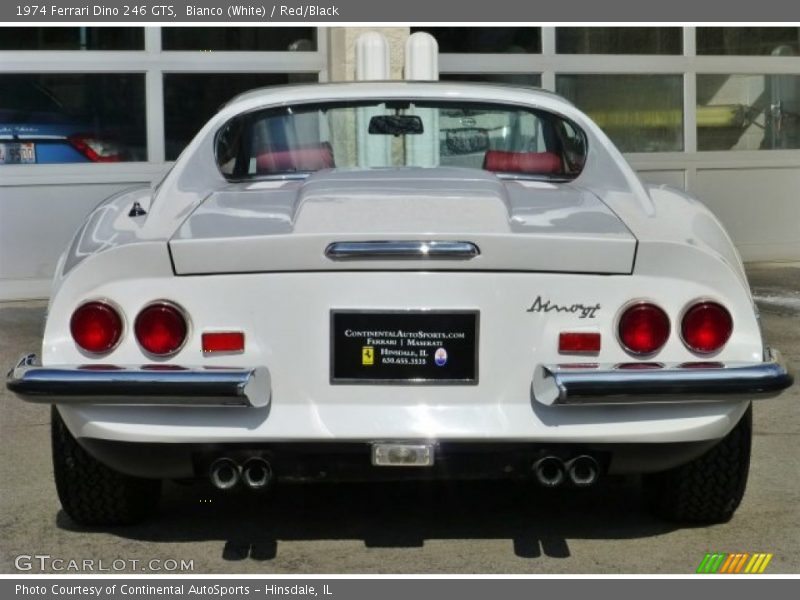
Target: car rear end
{"points": [[306, 320], [430, 343]]}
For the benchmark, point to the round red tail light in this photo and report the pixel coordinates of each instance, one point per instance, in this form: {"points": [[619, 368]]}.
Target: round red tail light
{"points": [[706, 327], [643, 329], [160, 329], [96, 327]]}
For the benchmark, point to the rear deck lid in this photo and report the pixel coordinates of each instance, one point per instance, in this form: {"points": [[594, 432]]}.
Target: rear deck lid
{"points": [[300, 225]]}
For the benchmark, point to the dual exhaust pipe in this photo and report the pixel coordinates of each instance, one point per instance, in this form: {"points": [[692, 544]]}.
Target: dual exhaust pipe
{"points": [[581, 471], [550, 471], [255, 473]]}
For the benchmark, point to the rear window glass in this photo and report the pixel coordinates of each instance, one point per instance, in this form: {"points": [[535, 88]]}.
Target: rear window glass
{"points": [[309, 137]]}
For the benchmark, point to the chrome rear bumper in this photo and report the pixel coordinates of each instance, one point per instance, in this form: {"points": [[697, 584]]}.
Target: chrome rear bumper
{"points": [[153, 385], [699, 382], [170, 385]]}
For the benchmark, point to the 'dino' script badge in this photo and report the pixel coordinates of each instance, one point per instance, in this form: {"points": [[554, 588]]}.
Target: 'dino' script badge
{"points": [[584, 311]]}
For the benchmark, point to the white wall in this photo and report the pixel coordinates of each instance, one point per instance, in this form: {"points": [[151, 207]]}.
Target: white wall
{"points": [[36, 224], [759, 206]]}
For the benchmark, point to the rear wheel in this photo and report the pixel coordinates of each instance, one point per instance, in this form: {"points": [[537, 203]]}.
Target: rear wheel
{"points": [[709, 488], [90, 492]]}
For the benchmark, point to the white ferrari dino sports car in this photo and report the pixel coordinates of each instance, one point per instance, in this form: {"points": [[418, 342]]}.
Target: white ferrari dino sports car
{"points": [[399, 279]]}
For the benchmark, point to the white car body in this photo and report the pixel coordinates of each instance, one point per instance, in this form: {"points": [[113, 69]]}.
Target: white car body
{"points": [[251, 257]]}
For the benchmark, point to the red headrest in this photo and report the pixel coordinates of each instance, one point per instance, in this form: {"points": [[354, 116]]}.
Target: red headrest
{"points": [[539, 163], [311, 158]]}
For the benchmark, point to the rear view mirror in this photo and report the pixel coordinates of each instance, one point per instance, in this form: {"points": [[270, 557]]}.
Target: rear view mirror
{"points": [[395, 125]]}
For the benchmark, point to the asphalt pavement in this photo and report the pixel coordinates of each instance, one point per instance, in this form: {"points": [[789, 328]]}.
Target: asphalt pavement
{"points": [[486, 527]]}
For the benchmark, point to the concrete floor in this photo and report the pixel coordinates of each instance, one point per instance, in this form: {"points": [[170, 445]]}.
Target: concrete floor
{"points": [[412, 528]]}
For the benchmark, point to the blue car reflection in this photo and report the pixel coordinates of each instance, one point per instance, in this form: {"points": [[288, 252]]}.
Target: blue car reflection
{"points": [[35, 128]]}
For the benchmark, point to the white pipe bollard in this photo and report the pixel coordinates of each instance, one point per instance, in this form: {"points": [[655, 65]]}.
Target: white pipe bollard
{"points": [[422, 64], [422, 57], [372, 64], [372, 57]]}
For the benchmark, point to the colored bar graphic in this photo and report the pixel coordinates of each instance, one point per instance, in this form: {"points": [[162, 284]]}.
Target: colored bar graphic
{"points": [[732, 558], [716, 562], [703, 564], [765, 563], [753, 564], [733, 563], [741, 562]]}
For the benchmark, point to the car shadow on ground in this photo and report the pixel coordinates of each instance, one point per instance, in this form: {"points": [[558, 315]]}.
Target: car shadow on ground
{"points": [[395, 515]]}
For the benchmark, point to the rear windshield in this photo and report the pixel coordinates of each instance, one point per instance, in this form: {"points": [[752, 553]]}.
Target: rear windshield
{"points": [[310, 137]]}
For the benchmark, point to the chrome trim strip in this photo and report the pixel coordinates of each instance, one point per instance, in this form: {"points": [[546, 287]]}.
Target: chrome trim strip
{"points": [[558, 386], [151, 385], [402, 250]]}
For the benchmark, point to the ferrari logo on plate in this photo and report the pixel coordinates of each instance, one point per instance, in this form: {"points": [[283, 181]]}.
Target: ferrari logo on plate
{"points": [[367, 355]]}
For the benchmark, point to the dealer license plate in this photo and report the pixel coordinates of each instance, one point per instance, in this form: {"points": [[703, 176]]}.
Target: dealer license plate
{"points": [[14, 153], [407, 347]]}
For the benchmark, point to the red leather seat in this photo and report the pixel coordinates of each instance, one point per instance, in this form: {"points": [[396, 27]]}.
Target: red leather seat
{"points": [[312, 158], [538, 163]]}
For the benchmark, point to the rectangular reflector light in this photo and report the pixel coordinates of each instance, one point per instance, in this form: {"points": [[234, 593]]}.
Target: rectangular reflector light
{"points": [[223, 341], [578, 342], [402, 455]]}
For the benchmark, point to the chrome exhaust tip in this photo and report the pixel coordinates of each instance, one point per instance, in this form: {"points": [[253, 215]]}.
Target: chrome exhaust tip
{"points": [[256, 473], [583, 470], [549, 471], [224, 474]]}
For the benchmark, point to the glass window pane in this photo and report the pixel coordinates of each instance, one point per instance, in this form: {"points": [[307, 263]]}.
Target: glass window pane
{"points": [[748, 112], [71, 38], [55, 118], [526, 79], [309, 137], [271, 39], [192, 99], [749, 41], [619, 40], [481, 40], [640, 113]]}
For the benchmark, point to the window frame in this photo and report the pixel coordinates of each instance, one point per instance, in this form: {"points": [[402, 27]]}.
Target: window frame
{"points": [[436, 103], [154, 63], [688, 65]]}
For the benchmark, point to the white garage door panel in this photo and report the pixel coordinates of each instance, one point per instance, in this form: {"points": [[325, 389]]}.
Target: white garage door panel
{"points": [[36, 224], [759, 207]]}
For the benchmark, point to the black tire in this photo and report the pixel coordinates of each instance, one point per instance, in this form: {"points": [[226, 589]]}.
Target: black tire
{"points": [[90, 492], [709, 488]]}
